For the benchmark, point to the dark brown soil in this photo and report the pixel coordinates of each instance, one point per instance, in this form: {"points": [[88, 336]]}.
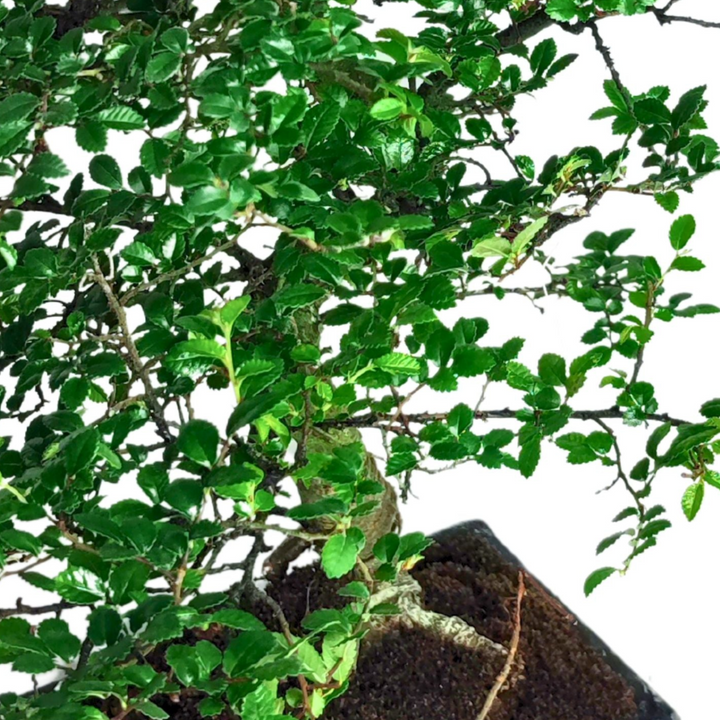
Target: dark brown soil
{"points": [[409, 674]]}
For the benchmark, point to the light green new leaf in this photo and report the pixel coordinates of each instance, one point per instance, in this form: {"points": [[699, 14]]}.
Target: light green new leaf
{"points": [[692, 500]]}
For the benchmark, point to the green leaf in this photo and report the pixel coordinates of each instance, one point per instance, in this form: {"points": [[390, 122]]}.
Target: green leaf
{"points": [[104, 626], [210, 707], [151, 710], [387, 109], [81, 450], [529, 455], [248, 650], [471, 360], [681, 231], [33, 663], [324, 507], [263, 704], [79, 585], [552, 370], [687, 107], [296, 296], [238, 619], [41, 263], [669, 201], [105, 171], [17, 107], [232, 310], [208, 201], [252, 408], [153, 481], [175, 39], [193, 356], [692, 499], [355, 589], [398, 364], [341, 552], [21, 540], [543, 56], [41, 30], [194, 664], [319, 122], [198, 440], [711, 408], [191, 174], [527, 235], [184, 495], [687, 264], [91, 135], [650, 111], [153, 155], [615, 96], [609, 542], [121, 118], [595, 578], [162, 67], [48, 165], [412, 545], [56, 635], [562, 10]]}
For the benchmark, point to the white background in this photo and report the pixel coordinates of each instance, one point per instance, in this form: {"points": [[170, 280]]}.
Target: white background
{"points": [[662, 617]]}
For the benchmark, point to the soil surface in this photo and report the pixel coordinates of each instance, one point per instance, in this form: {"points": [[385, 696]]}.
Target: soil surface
{"points": [[411, 675], [560, 673]]}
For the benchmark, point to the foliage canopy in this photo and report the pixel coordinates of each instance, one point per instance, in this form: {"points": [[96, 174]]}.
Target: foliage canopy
{"points": [[136, 292]]}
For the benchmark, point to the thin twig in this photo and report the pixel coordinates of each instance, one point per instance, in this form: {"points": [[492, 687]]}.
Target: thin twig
{"points": [[135, 360], [22, 609], [609, 62], [664, 19]]}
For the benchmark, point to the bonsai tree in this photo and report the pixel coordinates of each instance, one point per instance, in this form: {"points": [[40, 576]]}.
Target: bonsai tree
{"points": [[198, 338]]}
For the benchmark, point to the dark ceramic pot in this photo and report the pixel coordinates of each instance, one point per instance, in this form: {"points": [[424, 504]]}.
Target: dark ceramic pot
{"points": [[650, 705]]}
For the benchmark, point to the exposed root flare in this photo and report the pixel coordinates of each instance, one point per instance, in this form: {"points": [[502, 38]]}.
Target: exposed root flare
{"points": [[406, 593]]}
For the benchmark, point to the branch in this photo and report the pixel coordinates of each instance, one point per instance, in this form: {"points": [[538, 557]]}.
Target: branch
{"points": [[22, 609], [179, 272], [605, 52], [518, 33], [664, 19], [375, 419], [135, 360]]}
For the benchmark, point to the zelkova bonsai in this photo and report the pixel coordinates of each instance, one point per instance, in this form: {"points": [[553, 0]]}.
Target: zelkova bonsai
{"points": [[127, 296]]}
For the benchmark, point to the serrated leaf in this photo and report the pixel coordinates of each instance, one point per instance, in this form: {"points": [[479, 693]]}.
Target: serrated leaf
{"points": [[681, 231], [17, 107], [198, 440], [669, 201], [387, 109], [597, 577], [105, 171], [398, 364], [340, 554], [162, 67], [543, 56], [81, 451], [692, 499], [91, 135], [121, 117], [609, 542], [319, 122]]}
